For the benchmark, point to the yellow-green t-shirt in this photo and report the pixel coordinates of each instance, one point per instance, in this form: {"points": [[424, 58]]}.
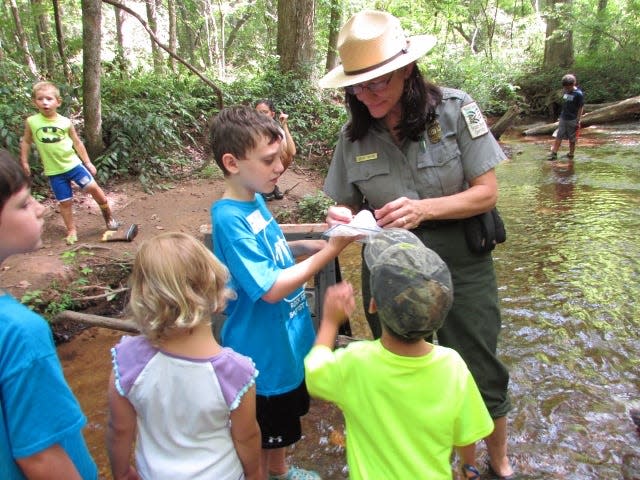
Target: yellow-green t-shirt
{"points": [[403, 415], [55, 147]]}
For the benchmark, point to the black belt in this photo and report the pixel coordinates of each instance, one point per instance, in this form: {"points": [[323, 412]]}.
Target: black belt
{"points": [[433, 224]]}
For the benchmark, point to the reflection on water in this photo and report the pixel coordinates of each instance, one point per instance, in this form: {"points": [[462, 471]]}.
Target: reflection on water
{"points": [[568, 276]]}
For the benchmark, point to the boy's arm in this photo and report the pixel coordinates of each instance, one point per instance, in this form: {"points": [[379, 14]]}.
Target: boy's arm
{"points": [[291, 146], [303, 248], [81, 150], [339, 304], [121, 432], [52, 462], [245, 433], [295, 276], [25, 147]]}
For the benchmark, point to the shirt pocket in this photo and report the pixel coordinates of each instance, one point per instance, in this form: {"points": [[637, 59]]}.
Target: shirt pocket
{"points": [[369, 176], [440, 169]]}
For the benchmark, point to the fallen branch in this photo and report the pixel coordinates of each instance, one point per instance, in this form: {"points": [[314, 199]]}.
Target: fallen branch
{"points": [[123, 325], [102, 295], [612, 113]]}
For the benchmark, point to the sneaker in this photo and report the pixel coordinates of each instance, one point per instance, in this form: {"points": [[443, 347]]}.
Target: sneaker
{"points": [[113, 224], [552, 156], [277, 194], [71, 239], [297, 474], [268, 196], [569, 156]]}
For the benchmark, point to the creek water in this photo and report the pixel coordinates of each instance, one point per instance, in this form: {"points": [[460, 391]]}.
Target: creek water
{"points": [[568, 278]]}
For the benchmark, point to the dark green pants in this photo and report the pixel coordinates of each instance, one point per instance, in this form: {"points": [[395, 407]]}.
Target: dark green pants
{"points": [[472, 326]]}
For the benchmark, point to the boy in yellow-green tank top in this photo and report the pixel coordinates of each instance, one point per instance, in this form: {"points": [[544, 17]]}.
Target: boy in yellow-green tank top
{"points": [[63, 155]]}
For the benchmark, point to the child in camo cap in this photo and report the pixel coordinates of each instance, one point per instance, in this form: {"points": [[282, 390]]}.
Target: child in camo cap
{"points": [[406, 402]]}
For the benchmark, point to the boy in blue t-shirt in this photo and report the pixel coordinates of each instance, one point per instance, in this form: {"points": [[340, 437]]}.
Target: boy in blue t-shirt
{"points": [[569, 121], [270, 320], [40, 419]]}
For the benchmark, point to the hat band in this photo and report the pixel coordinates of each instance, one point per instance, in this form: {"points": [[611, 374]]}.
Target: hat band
{"points": [[377, 65]]}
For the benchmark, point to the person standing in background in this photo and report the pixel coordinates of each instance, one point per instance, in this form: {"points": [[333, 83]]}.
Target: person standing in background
{"points": [[569, 121], [267, 107]]}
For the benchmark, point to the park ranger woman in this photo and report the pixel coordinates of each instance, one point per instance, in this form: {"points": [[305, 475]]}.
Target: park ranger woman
{"points": [[421, 157]]}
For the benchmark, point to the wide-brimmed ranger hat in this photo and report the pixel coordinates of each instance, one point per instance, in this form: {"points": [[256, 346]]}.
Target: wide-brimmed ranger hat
{"points": [[371, 44]]}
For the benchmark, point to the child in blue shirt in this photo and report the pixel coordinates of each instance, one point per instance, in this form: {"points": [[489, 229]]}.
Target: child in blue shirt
{"points": [[40, 419], [270, 320]]}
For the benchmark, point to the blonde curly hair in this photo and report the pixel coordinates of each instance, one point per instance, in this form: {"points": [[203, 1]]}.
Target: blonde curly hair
{"points": [[176, 283]]}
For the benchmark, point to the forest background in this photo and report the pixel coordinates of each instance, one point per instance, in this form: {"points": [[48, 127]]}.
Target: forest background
{"points": [[141, 78]]}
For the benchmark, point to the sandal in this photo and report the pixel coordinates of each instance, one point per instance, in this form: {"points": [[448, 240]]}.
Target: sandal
{"points": [[466, 468], [71, 239], [297, 474], [494, 476]]}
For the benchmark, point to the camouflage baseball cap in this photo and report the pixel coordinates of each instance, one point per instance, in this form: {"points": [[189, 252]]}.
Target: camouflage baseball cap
{"points": [[410, 283]]}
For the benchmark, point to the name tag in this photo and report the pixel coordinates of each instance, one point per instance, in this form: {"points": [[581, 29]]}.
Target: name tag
{"points": [[475, 120], [257, 221], [366, 158]]}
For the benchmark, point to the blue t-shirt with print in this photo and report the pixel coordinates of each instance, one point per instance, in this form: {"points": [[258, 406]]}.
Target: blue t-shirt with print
{"points": [[277, 336]]}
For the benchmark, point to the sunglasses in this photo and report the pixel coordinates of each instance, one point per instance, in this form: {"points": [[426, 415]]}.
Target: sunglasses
{"points": [[373, 86]]}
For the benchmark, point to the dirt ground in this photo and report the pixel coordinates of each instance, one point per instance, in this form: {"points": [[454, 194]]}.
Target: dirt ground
{"points": [[177, 206]]}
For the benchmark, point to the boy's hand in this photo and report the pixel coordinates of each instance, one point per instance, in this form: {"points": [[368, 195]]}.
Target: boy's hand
{"points": [[339, 303], [92, 168], [337, 214], [283, 117], [339, 243]]}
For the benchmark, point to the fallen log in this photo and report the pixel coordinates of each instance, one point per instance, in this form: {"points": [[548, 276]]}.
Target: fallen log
{"points": [[505, 121], [618, 111], [97, 321]]}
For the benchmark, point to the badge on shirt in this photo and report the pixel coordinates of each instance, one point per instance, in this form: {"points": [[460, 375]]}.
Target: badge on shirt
{"points": [[434, 132], [475, 120], [366, 158], [257, 221]]}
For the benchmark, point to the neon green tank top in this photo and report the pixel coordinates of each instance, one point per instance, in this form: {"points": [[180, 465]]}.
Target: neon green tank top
{"points": [[54, 144]]}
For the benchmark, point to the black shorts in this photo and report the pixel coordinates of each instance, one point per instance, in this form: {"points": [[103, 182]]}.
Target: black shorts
{"points": [[279, 417]]}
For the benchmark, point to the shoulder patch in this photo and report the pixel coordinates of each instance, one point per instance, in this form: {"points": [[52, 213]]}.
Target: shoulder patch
{"points": [[475, 120]]}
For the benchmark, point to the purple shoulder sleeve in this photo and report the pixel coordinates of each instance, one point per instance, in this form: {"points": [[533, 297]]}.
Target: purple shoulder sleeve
{"points": [[129, 357], [236, 374]]}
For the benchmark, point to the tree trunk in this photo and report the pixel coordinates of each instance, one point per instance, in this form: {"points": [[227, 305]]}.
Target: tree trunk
{"points": [[120, 59], [334, 30], [296, 37], [618, 111], [210, 46], [186, 43], [498, 128], [92, 108], [21, 37], [558, 45], [596, 35], [173, 36], [152, 21], [44, 37], [57, 14], [235, 29], [217, 91]]}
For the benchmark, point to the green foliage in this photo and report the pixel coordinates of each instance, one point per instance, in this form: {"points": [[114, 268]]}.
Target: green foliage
{"points": [[15, 104], [315, 117], [311, 209], [50, 302], [147, 122]]}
